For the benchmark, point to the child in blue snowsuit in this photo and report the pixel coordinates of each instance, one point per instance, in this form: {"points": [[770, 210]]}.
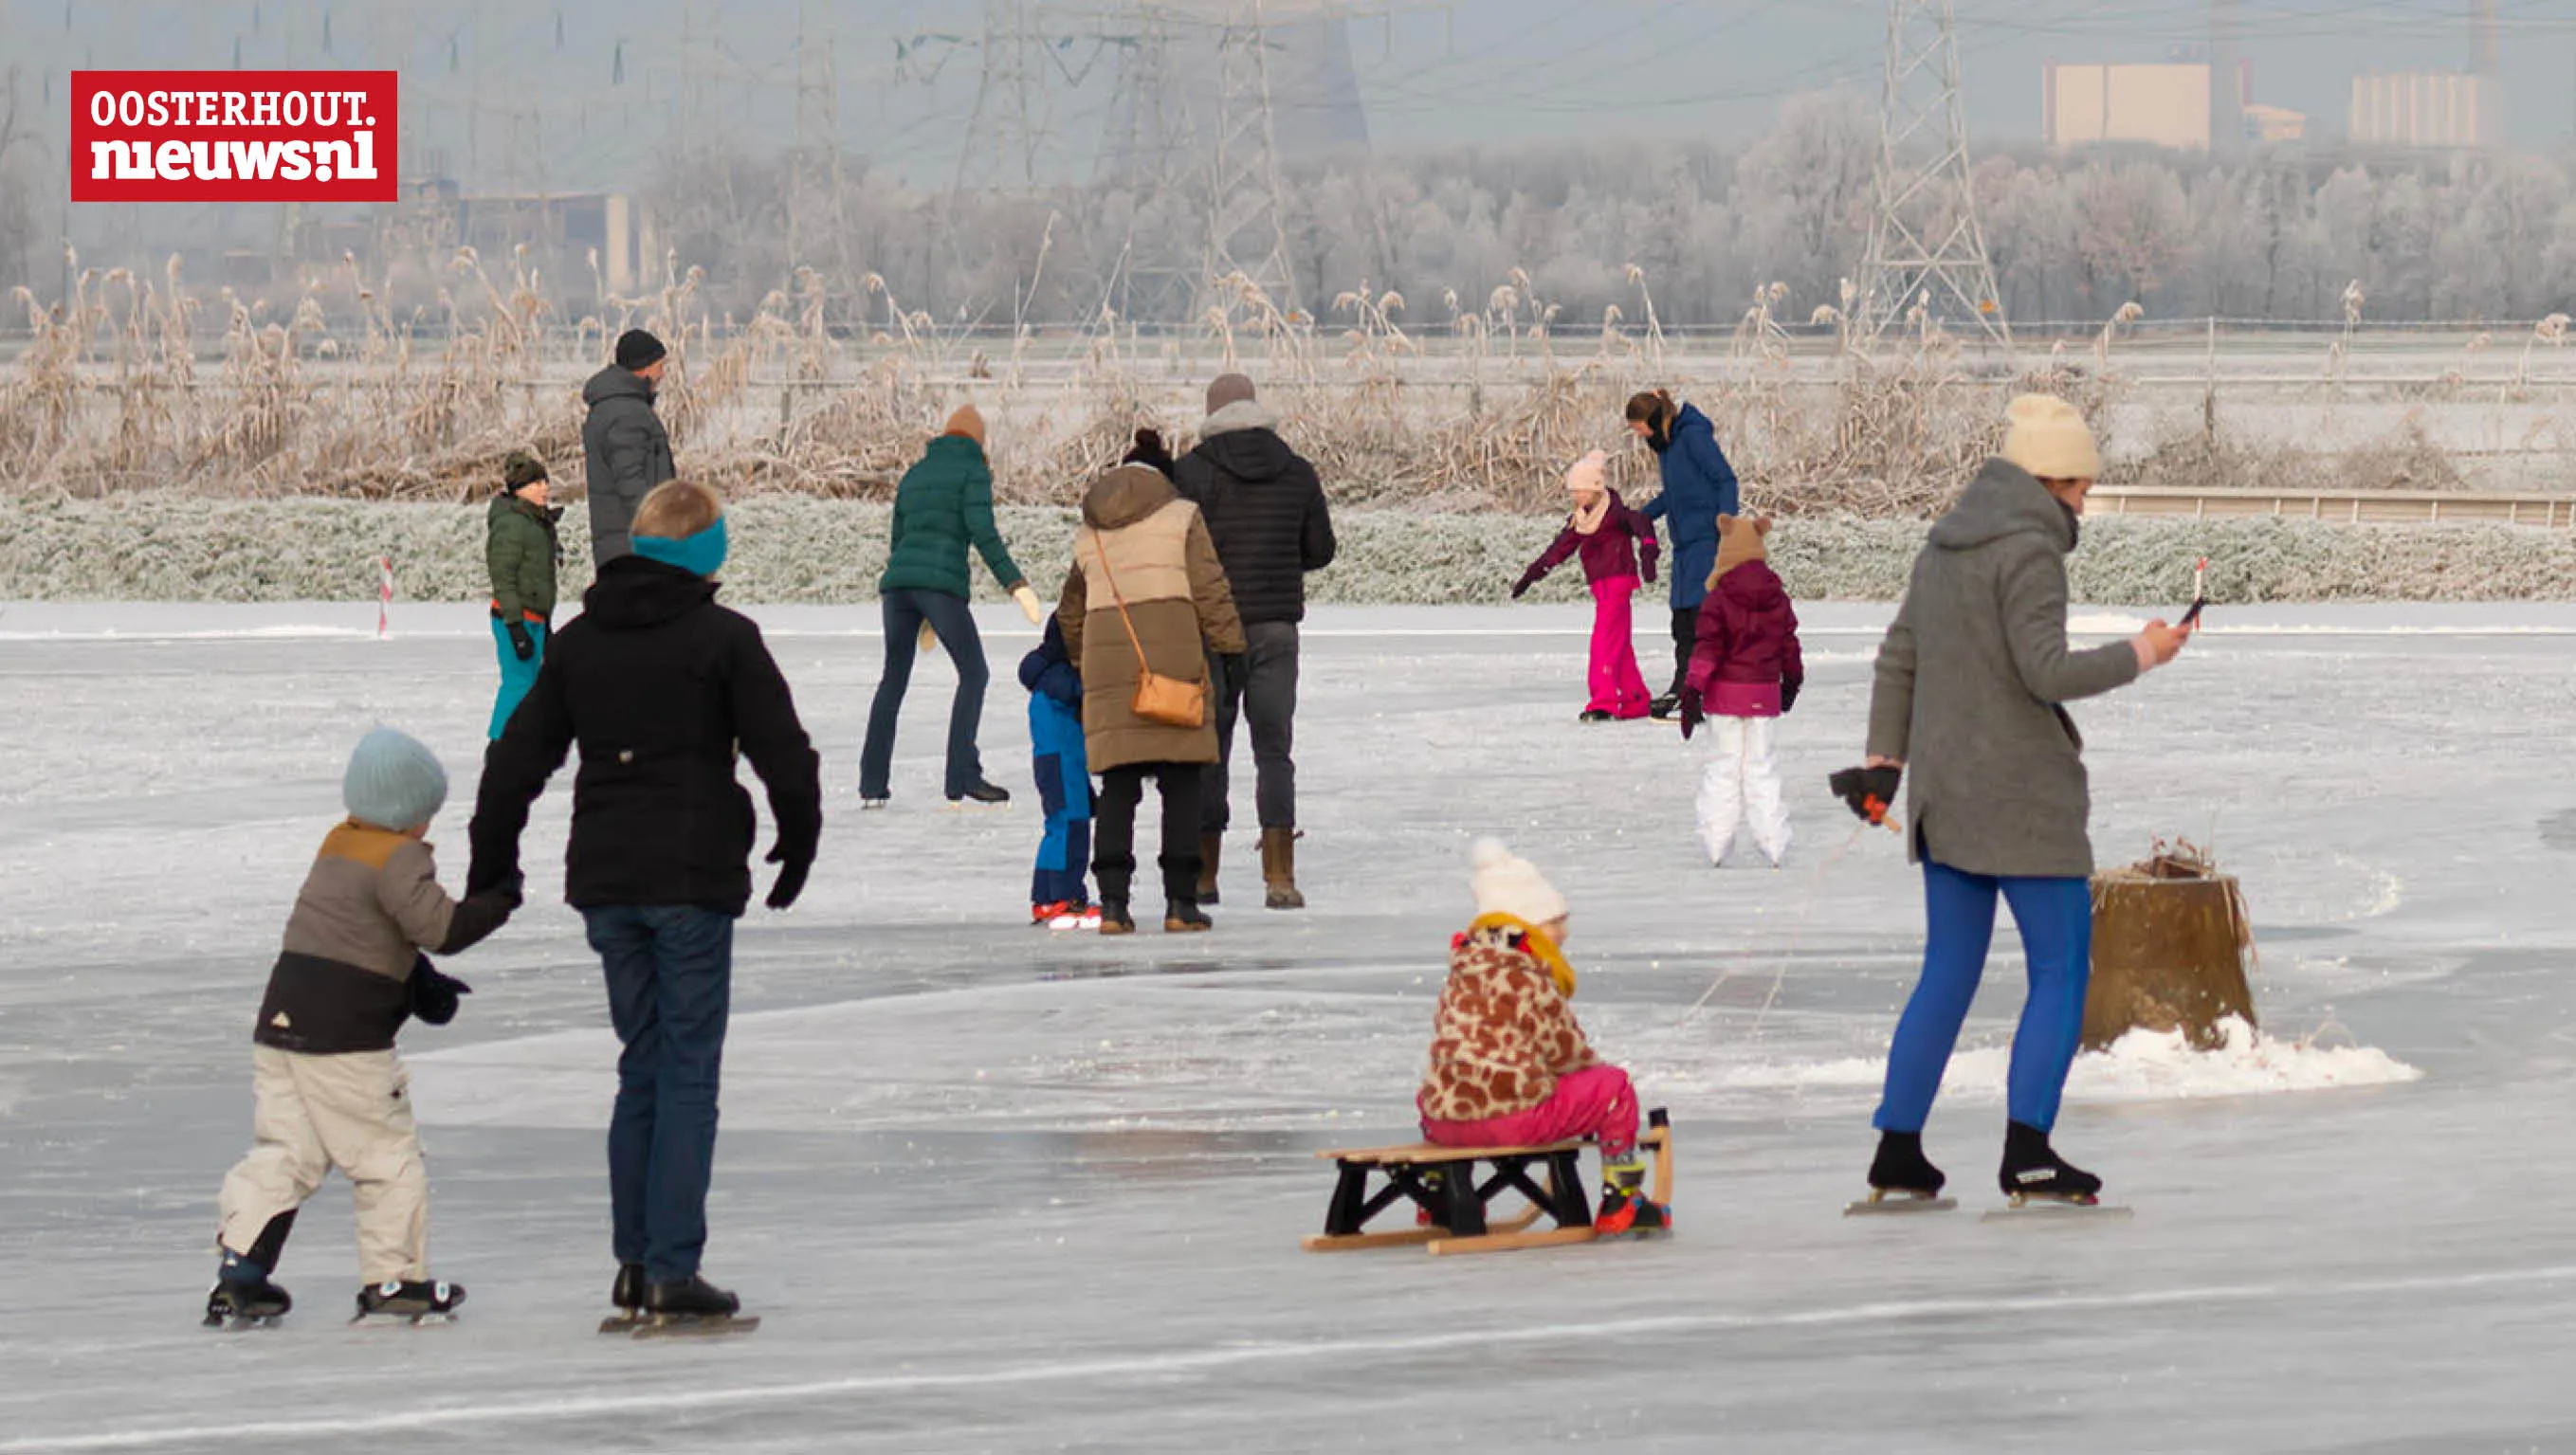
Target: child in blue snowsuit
{"points": [[1058, 898]]}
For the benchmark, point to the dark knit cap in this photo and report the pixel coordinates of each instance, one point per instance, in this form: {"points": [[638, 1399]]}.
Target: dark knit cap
{"points": [[637, 349], [1149, 449], [521, 469]]}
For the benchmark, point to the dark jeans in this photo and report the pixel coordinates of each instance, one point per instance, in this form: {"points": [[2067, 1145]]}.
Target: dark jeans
{"points": [[1685, 640], [1264, 696], [904, 613], [1113, 828], [670, 983]]}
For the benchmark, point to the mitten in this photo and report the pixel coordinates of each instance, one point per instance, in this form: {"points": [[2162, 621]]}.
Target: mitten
{"points": [[1694, 712], [791, 878], [928, 639], [1789, 695], [1871, 792], [434, 996], [1521, 587], [1029, 606], [522, 645]]}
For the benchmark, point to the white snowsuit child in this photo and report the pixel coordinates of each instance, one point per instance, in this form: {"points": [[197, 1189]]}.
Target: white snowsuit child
{"points": [[1745, 672]]}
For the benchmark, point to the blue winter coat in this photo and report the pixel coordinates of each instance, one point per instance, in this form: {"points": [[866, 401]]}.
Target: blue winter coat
{"points": [[1699, 486], [1055, 727]]}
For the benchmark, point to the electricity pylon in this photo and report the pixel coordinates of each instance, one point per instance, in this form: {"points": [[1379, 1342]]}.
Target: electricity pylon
{"points": [[1926, 247]]}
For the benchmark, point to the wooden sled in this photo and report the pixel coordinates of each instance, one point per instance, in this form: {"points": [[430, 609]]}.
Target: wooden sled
{"points": [[1458, 1201]]}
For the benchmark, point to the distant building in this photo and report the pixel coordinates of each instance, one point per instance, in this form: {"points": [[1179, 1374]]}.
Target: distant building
{"points": [[2274, 123], [2431, 109], [2157, 105]]}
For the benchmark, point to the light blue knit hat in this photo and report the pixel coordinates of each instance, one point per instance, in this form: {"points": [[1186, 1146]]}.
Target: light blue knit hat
{"points": [[393, 782]]}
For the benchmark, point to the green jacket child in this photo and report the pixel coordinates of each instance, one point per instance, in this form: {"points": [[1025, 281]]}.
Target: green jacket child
{"points": [[521, 552]]}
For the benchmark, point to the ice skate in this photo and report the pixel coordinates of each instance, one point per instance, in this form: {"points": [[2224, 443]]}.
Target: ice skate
{"points": [[691, 1306], [411, 1300], [1902, 1179], [2033, 1173], [1626, 1211], [1665, 708], [980, 796], [1075, 918], [626, 1295], [1598, 714], [870, 802], [244, 1298], [1044, 916]]}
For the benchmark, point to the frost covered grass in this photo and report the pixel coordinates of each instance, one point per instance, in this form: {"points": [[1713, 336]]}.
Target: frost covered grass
{"points": [[792, 549]]}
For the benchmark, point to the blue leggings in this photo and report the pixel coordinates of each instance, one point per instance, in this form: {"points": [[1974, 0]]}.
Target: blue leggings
{"points": [[2056, 920], [516, 676]]}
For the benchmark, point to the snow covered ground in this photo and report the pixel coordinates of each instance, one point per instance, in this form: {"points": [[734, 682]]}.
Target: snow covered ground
{"points": [[1000, 1191]]}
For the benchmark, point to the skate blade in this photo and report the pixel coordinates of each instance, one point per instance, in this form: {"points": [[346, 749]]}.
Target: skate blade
{"points": [[242, 1323], [400, 1321], [689, 1326], [2033, 1209], [1897, 1204], [968, 805]]}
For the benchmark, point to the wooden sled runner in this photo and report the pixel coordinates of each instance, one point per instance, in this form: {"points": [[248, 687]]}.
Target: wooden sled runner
{"points": [[1459, 1197]]}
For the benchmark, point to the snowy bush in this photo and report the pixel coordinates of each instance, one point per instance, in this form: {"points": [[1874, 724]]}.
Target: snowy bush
{"points": [[790, 549]]}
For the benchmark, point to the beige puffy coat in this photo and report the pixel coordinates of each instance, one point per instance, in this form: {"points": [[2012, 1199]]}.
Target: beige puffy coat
{"points": [[1153, 544]]}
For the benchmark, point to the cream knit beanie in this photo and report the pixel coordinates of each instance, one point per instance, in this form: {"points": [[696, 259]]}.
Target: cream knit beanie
{"points": [[1589, 475], [2049, 439], [1505, 883]]}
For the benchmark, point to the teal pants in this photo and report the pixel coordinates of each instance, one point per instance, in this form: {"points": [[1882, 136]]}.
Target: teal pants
{"points": [[516, 676]]}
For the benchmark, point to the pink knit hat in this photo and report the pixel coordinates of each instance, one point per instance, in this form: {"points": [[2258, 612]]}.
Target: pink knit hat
{"points": [[1589, 475]]}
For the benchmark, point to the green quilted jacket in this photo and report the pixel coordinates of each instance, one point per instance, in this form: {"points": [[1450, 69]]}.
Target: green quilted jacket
{"points": [[943, 506]]}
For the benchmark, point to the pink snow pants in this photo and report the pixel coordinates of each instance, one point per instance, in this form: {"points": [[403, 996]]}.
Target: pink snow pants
{"points": [[1596, 1101], [1618, 688]]}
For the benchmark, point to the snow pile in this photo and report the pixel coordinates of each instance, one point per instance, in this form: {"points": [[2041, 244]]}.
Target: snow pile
{"points": [[794, 549], [2141, 1066]]}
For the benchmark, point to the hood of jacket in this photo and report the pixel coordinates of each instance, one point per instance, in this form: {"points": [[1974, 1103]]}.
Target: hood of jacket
{"points": [[2004, 500], [506, 504], [614, 382], [1752, 585], [1243, 441], [1125, 496], [1684, 418], [633, 593]]}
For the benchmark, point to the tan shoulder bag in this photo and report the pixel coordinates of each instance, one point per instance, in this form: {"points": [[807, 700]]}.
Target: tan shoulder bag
{"points": [[1168, 701]]}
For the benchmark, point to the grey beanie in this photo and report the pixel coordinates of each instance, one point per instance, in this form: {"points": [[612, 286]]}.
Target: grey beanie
{"points": [[393, 782]]}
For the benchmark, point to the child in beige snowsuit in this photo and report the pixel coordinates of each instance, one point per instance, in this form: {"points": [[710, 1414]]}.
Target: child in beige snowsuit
{"points": [[330, 1090]]}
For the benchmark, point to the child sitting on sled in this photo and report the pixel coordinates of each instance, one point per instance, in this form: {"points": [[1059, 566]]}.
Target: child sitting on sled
{"points": [[1510, 1067]]}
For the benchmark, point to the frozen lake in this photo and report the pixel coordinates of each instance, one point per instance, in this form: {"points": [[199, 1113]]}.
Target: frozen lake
{"points": [[995, 1190]]}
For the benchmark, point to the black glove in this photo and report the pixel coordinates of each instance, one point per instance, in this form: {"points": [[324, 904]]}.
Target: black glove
{"points": [[522, 645], [1521, 588], [1237, 667], [1789, 696], [1694, 712], [1871, 792], [433, 995], [791, 878]]}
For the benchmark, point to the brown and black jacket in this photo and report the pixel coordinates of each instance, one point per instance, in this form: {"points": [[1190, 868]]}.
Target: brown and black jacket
{"points": [[369, 908]]}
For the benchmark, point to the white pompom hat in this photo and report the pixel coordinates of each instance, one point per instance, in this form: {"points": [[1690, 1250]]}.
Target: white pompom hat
{"points": [[1506, 883]]}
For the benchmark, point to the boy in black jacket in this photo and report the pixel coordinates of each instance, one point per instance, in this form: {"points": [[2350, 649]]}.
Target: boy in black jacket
{"points": [[659, 686]]}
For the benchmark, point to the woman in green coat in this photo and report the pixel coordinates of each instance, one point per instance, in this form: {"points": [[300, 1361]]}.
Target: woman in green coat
{"points": [[943, 506], [520, 550]]}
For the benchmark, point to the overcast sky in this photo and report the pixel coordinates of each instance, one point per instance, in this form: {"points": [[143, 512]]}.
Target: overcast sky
{"points": [[488, 75]]}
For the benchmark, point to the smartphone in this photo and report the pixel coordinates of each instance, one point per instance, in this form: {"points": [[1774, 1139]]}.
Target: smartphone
{"points": [[2191, 618]]}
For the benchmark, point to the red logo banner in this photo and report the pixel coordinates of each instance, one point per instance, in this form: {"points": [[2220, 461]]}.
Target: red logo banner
{"points": [[234, 136]]}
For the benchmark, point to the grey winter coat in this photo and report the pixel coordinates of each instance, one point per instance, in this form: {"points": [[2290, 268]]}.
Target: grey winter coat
{"points": [[627, 453], [1970, 680]]}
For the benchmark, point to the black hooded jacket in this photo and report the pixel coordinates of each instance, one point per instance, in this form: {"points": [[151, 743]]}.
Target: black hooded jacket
{"points": [[661, 687], [1265, 510]]}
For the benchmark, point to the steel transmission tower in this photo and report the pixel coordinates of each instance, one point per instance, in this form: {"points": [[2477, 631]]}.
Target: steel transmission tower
{"points": [[1004, 139], [1151, 150], [814, 186], [1926, 247], [1247, 219]]}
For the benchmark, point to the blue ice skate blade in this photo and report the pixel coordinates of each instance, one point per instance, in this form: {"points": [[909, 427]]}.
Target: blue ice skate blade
{"points": [[1878, 1205]]}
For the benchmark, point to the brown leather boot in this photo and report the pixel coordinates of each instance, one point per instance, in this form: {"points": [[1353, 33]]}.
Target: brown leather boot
{"points": [[1209, 847], [1279, 869]]}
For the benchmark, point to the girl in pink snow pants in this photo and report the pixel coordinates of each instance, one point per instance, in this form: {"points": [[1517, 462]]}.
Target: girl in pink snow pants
{"points": [[1612, 539]]}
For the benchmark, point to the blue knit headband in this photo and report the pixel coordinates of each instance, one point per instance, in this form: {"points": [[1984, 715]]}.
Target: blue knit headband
{"points": [[702, 554]]}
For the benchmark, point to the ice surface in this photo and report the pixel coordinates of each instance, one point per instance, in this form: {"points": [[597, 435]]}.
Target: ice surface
{"points": [[999, 1190]]}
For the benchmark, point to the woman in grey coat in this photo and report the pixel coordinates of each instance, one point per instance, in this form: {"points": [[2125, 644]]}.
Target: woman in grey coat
{"points": [[1968, 702]]}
